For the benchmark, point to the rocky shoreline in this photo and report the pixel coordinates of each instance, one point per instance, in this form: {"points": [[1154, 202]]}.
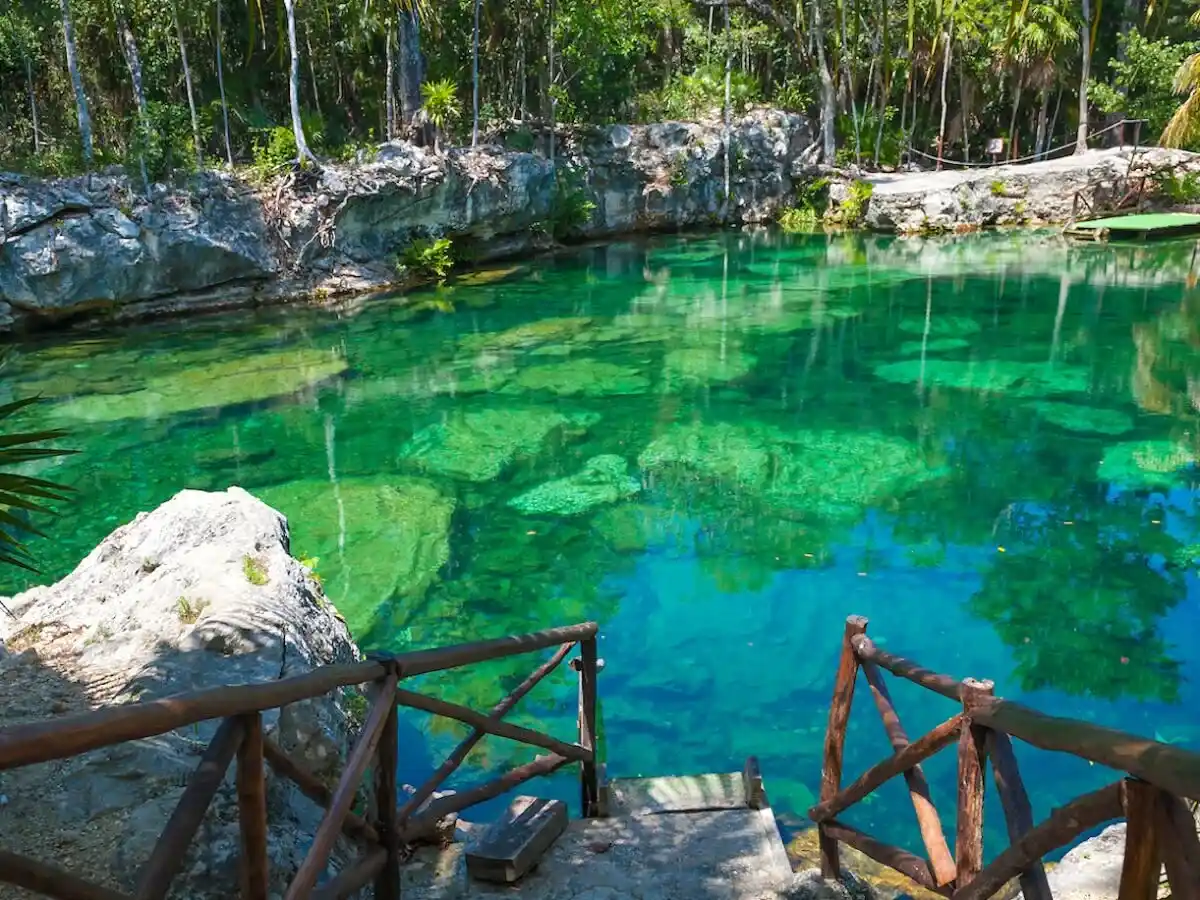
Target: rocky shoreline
{"points": [[94, 250]]}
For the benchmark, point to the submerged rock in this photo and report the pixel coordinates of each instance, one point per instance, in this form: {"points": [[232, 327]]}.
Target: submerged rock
{"points": [[941, 326], [720, 451], [1146, 464], [186, 387], [580, 377], [1077, 417], [1020, 379], [604, 479], [198, 594], [378, 543], [478, 446], [690, 366]]}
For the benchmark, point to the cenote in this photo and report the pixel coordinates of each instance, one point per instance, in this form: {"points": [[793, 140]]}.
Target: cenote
{"points": [[718, 447]]}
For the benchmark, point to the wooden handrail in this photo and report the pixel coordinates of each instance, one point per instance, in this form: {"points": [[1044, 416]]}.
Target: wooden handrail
{"points": [[22, 745]]}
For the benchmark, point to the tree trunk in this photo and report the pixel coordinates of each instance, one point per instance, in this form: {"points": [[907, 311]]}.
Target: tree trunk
{"points": [[33, 109], [390, 92], [964, 111], [133, 62], [945, 74], [81, 101], [1053, 121], [303, 154], [885, 80], [312, 73], [728, 202], [221, 86], [1039, 141], [848, 73], [829, 141], [410, 66], [187, 82], [1085, 71], [550, 90], [475, 80], [1013, 139]]}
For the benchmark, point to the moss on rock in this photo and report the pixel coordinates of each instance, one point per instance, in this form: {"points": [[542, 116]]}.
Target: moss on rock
{"points": [[580, 377], [604, 479], [1020, 379], [1145, 464], [690, 366], [1087, 419]]}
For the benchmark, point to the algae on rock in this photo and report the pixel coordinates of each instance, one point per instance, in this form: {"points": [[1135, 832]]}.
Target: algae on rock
{"points": [[1077, 417], [380, 541], [690, 366], [580, 377], [1146, 464], [604, 479], [478, 446], [1020, 379], [719, 451], [941, 326], [226, 383]]}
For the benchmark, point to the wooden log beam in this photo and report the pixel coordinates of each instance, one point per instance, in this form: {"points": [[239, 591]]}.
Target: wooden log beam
{"points": [[444, 806], [154, 880], [1143, 857], [354, 877], [499, 711], [387, 882], [1181, 847], [928, 821], [421, 661], [589, 786], [21, 745], [972, 758], [252, 809], [343, 797], [922, 748], [315, 790], [43, 878], [493, 726], [1018, 812], [835, 738], [1171, 768], [893, 857], [904, 668], [1061, 827]]}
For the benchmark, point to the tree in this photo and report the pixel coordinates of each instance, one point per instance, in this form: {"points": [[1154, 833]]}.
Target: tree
{"points": [[221, 86], [81, 101], [1085, 72], [187, 81], [475, 79], [304, 155], [409, 60]]}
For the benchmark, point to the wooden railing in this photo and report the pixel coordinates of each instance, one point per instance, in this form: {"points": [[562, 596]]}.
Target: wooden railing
{"points": [[1161, 829], [240, 734]]}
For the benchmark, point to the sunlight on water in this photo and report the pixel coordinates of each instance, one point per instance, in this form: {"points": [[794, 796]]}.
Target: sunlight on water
{"points": [[717, 447]]}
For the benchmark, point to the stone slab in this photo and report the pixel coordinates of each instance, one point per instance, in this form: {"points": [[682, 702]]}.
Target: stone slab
{"points": [[676, 794], [733, 854], [515, 842]]}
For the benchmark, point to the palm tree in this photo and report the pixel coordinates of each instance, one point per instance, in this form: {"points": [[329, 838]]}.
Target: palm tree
{"points": [[1183, 129], [23, 493], [1036, 33]]}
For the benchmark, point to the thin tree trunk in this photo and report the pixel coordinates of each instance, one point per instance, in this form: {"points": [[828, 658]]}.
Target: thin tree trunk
{"points": [[33, 108], [390, 93], [475, 80], [904, 109], [409, 46], [1085, 71], [303, 154], [1013, 137], [81, 101], [728, 204], [848, 73], [946, 59], [1053, 121], [221, 87], [1039, 141], [133, 62], [885, 80], [553, 99], [187, 82], [965, 112], [312, 73], [829, 141]]}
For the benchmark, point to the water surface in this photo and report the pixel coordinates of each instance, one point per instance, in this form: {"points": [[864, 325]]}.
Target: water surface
{"points": [[717, 447]]}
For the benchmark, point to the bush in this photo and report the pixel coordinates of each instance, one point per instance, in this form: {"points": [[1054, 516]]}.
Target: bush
{"points": [[274, 149], [850, 212], [431, 258], [998, 188], [1178, 189], [699, 94], [799, 219], [163, 141], [1142, 85], [571, 208], [440, 103], [794, 95], [521, 140]]}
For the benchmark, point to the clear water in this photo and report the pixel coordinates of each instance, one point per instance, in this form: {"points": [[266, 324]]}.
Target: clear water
{"points": [[719, 448]]}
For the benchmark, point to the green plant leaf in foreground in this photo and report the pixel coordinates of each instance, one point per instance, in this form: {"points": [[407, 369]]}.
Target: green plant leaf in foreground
{"points": [[23, 492]]}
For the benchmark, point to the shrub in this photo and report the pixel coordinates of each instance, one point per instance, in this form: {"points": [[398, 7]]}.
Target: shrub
{"points": [[998, 188], [849, 213], [189, 610], [274, 149], [794, 95], [799, 219], [428, 257], [163, 140], [678, 170], [521, 140], [698, 94], [254, 571], [1178, 189], [441, 105], [571, 207]]}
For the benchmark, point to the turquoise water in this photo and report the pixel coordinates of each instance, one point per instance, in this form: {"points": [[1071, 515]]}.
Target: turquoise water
{"points": [[717, 447]]}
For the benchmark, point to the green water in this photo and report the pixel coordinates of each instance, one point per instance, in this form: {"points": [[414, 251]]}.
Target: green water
{"points": [[718, 448]]}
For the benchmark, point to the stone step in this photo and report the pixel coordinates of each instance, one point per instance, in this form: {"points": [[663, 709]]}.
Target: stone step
{"points": [[514, 843], [686, 793]]}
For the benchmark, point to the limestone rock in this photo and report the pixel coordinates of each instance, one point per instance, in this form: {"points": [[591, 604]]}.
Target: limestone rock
{"points": [[1092, 870], [809, 885], [200, 593]]}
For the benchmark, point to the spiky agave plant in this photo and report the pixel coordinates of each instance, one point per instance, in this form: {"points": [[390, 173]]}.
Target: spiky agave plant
{"points": [[23, 493]]}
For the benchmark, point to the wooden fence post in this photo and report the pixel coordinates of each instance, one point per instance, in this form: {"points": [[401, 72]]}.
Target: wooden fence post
{"points": [[252, 809], [589, 786], [835, 738], [1143, 860], [972, 757], [387, 884]]}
